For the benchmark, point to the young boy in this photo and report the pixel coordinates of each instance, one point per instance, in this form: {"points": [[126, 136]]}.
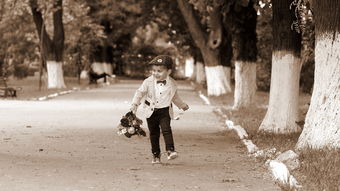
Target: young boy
{"points": [[159, 92]]}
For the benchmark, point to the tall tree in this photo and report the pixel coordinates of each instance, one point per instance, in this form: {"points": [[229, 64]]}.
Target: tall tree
{"points": [[322, 124], [241, 18], [119, 20], [51, 49], [282, 112], [209, 45]]}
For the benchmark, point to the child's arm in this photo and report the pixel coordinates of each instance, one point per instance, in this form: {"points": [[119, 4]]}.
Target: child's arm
{"points": [[179, 103], [140, 93]]}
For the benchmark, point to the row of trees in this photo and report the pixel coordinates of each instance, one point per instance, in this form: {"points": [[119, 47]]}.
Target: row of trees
{"points": [[239, 18], [219, 34]]}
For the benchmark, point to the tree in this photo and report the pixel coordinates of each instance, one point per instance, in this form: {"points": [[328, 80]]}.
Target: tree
{"points": [[282, 113], [209, 45], [241, 19], [51, 49], [18, 44], [322, 127], [119, 20]]}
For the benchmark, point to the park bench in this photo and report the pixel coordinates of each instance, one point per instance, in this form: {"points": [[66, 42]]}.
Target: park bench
{"points": [[5, 90]]}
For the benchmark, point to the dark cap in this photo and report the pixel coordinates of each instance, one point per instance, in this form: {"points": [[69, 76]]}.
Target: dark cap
{"points": [[162, 60]]}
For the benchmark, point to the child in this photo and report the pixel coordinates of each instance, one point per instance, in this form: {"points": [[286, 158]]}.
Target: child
{"points": [[159, 91]]}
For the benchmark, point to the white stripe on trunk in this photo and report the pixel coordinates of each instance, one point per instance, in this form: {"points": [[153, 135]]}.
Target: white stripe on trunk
{"points": [[245, 84], [200, 73], [322, 124], [55, 74], [282, 111], [217, 81], [101, 67]]}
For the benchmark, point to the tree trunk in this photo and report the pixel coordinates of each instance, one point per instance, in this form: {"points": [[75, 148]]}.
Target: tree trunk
{"points": [[210, 51], [217, 78], [322, 124], [282, 113], [200, 73], [242, 20], [55, 75], [245, 84], [189, 67], [52, 51]]}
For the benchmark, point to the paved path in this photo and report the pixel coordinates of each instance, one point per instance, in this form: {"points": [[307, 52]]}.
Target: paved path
{"points": [[70, 143]]}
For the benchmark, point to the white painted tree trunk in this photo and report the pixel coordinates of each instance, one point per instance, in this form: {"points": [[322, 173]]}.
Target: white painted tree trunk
{"points": [[107, 67], [322, 124], [217, 81], [283, 107], [189, 67], [100, 68], [55, 75], [200, 73], [227, 71], [245, 84]]}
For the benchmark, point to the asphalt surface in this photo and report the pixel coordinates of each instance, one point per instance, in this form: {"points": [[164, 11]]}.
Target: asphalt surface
{"points": [[70, 143]]}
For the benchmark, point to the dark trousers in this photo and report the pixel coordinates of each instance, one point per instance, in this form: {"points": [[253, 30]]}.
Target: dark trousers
{"points": [[160, 120]]}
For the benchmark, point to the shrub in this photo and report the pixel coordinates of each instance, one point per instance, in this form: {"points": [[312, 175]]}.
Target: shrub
{"points": [[21, 71]]}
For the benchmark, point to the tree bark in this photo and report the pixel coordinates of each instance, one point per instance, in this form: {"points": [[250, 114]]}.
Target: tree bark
{"points": [[211, 55], [322, 124], [217, 74], [241, 19], [282, 113], [52, 51], [245, 84], [200, 73]]}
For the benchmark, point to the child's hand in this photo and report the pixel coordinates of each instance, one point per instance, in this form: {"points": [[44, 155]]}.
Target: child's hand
{"points": [[134, 108], [186, 107]]}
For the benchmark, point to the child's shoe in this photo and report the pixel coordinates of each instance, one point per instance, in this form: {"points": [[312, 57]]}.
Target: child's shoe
{"points": [[156, 160], [172, 155]]}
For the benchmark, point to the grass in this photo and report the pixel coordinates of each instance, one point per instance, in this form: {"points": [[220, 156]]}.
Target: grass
{"points": [[319, 169]]}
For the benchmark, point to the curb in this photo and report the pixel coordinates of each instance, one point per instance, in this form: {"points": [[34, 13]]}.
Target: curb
{"points": [[278, 169], [74, 89]]}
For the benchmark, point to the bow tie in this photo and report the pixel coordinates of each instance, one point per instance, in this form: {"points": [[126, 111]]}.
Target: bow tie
{"points": [[161, 81]]}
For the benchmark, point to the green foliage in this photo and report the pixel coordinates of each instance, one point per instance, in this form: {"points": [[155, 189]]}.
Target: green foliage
{"points": [[21, 71], [170, 22], [16, 36]]}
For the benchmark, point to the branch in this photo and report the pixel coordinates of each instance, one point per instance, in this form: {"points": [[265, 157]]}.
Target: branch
{"points": [[195, 29], [215, 26], [38, 20]]}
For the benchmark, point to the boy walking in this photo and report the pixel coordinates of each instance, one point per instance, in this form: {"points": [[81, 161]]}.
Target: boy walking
{"points": [[158, 92]]}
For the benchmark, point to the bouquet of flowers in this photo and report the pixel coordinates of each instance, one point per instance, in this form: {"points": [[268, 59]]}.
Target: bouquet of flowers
{"points": [[130, 125]]}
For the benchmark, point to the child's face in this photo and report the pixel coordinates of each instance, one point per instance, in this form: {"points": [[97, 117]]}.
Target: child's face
{"points": [[160, 72]]}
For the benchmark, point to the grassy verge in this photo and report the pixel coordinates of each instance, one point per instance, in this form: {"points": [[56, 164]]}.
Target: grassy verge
{"points": [[319, 168]]}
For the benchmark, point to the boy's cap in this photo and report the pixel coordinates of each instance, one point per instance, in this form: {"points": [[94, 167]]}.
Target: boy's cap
{"points": [[162, 60]]}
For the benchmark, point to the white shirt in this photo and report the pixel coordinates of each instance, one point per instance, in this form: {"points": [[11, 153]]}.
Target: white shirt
{"points": [[162, 94]]}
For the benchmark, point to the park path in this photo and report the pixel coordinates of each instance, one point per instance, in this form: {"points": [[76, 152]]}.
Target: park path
{"points": [[69, 143]]}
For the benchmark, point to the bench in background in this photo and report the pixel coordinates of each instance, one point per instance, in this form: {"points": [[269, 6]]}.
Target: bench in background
{"points": [[5, 90]]}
